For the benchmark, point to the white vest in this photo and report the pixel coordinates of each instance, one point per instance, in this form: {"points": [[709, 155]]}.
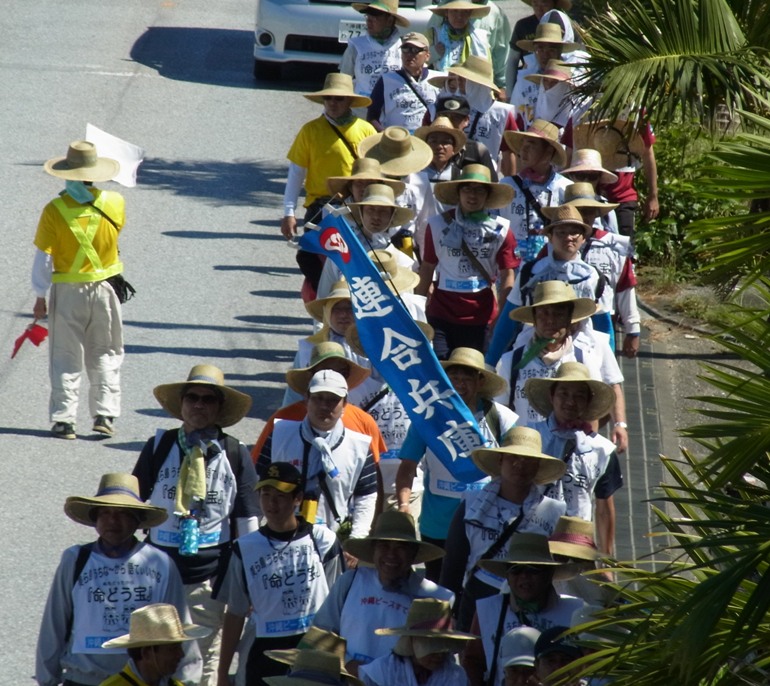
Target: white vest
{"points": [[456, 272], [286, 580], [401, 106], [489, 127], [453, 49], [524, 99], [220, 500], [374, 59], [608, 254], [349, 457], [108, 590], [368, 606]]}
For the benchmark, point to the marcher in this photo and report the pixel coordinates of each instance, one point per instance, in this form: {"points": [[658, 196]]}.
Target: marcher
{"points": [[531, 601], [517, 656], [457, 35], [512, 502], [424, 653], [376, 52], [402, 97], [325, 146], [204, 478], [553, 652], [570, 401], [77, 258], [587, 167], [379, 593], [78, 616], [336, 464], [155, 646], [310, 667], [554, 100], [279, 575], [473, 254], [476, 384]]}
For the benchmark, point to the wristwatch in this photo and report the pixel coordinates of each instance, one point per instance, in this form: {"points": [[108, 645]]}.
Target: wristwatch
{"points": [[622, 425]]}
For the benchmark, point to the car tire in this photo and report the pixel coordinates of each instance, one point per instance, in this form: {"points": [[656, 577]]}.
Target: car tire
{"points": [[267, 71]]}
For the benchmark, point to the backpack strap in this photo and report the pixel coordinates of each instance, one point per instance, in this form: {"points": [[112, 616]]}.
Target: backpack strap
{"points": [[84, 552], [514, 376]]}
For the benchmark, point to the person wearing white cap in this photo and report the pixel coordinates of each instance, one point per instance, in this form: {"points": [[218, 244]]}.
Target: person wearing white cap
{"points": [[517, 655], [336, 463]]}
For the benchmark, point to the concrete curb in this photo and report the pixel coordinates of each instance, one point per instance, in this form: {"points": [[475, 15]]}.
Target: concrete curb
{"points": [[669, 319]]}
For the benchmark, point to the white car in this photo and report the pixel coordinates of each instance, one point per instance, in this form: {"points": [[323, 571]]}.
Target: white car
{"points": [[314, 31]]}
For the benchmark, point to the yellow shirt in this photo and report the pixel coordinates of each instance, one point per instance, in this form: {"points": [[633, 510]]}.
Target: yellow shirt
{"points": [[55, 237], [319, 150]]}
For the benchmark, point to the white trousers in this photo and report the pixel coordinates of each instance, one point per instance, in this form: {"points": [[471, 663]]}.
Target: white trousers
{"points": [[85, 333]]}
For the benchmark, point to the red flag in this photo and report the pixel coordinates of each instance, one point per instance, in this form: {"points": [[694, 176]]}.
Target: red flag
{"points": [[35, 333]]}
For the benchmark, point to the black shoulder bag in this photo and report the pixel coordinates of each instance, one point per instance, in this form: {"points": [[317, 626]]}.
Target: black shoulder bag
{"points": [[123, 289]]}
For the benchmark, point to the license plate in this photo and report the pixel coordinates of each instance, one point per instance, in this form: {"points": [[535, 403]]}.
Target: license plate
{"points": [[350, 29]]}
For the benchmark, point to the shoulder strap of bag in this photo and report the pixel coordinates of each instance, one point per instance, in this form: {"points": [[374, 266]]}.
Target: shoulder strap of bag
{"points": [[341, 136], [448, 218], [514, 377], [162, 448], [380, 395], [127, 677], [80, 564], [498, 638], [475, 123], [408, 82], [502, 539], [104, 214], [530, 198]]}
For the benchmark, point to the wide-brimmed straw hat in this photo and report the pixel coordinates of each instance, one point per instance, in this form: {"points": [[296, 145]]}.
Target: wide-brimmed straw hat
{"points": [[564, 5], [566, 215], [476, 10], [115, 490], [340, 85], [520, 441], [543, 130], [388, 6], [340, 291], [427, 618], [381, 195], [235, 405], [547, 33], [618, 142], [156, 625], [314, 639], [538, 391], [298, 379], [392, 526], [398, 151], [581, 194], [443, 125], [554, 293], [574, 537], [499, 195], [353, 339], [399, 279], [524, 549], [364, 169], [311, 667], [555, 70], [81, 163], [492, 384], [476, 69], [589, 160]]}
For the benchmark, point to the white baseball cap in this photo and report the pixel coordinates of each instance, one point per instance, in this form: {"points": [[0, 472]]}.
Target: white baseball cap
{"points": [[328, 381]]}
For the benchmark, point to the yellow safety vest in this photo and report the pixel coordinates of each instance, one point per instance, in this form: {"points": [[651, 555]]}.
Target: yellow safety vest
{"points": [[71, 215]]}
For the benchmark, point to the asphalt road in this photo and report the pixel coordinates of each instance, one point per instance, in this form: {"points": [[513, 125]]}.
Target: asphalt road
{"points": [[215, 281]]}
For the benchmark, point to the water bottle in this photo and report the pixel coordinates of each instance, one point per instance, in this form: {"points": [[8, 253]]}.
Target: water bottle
{"points": [[190, 531], [329, 467]]}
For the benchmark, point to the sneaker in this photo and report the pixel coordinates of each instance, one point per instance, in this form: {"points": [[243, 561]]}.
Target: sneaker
{"points": [[103, 425], [64, 430]]}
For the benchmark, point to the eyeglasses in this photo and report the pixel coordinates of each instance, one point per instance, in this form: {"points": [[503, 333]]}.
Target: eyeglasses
{"points": [[528, 569], [194, 398], [375, 14], [567, 232], [412, 49], [334, 98]]}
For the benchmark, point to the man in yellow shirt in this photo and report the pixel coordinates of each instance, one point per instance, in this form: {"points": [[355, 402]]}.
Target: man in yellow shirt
{"points": [[77, 252]]}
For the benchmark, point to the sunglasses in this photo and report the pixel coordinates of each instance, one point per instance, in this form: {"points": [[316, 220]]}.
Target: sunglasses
{"points": [[194, 398], [528, 569], [334, 98], [412, 49], [376, 14]]}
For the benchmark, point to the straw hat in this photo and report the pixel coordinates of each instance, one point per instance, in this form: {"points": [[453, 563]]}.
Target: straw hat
{"points": [[564, 5], [156, 625], [443, 125], [364, 169], [388, 6], [524, 549], [476, 10], [538, 391], [381, 195], [555, 70], [298, 379], [336, 84], [520, 441], [492, 384], [517, 648], [235, 405], [340, 291], [314, 639], [81, 163], [589, 160], [427, 618], [476, 69], [566, 215], [392, 526], [115, 490], [312, 667], [500, 194], [354, 340], [399, 279], [547, 33], [618, 142], [541, 130], [398, 152], [579, 195], [553, 293], [574, 537]]}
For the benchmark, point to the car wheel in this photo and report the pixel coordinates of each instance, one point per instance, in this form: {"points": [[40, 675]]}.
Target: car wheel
{"points": [[267, 71]]}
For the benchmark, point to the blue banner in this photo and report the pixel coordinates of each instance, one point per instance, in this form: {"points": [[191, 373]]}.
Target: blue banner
{"points": [[401, 353]]}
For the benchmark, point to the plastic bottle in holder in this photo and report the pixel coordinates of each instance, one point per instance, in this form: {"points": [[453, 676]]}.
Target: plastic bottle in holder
{"points": [[329, 467], [190, 531]]}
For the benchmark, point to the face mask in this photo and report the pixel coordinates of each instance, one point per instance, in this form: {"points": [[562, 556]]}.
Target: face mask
{"points": [[79, 192]]}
